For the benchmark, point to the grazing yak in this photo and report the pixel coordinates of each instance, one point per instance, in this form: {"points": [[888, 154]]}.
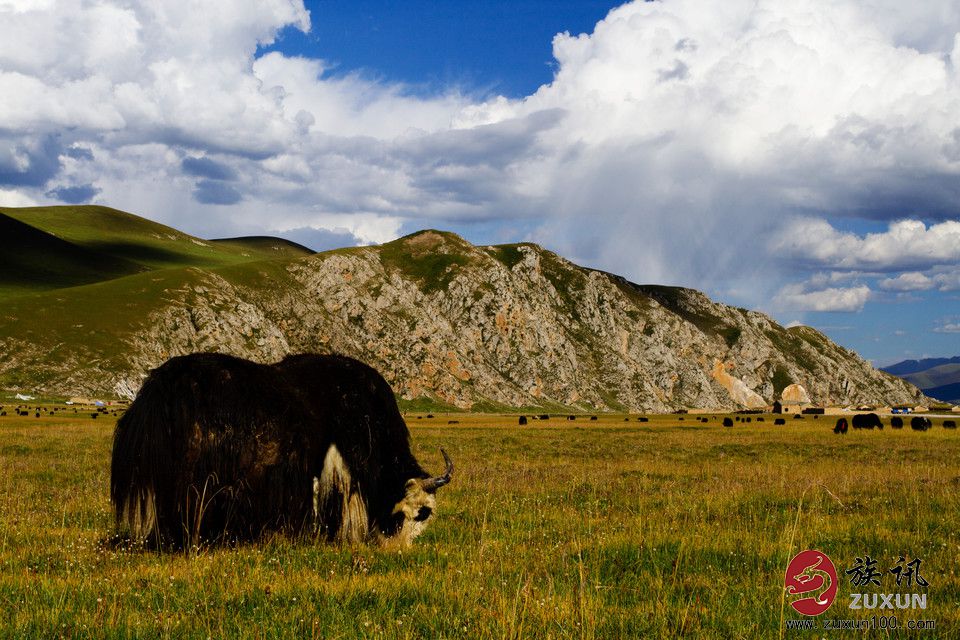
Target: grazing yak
{"points": [[216, 449], [867, 421], [919, 423], [841, 426]]}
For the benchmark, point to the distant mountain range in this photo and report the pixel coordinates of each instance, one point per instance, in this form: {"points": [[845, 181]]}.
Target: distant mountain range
{"points": [[938, 377], [92, 298]]}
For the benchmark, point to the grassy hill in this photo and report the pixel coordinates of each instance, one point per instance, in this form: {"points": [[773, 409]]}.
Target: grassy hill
{"points": [[60, 247], [78, 281], [263, 247], [33, 260]]}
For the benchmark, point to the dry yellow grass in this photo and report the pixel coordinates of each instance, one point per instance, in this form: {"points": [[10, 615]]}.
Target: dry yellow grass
{"points": [[595, 529]]}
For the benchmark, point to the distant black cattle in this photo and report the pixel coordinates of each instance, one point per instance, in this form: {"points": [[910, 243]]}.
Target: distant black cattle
{"points": [[544, 417], [949, 424], [727, 422], [571, 417], [797, 416], [759, 419], [841, 426], [918, 423], [643, 419], [523, 420], [220, 449], [896, 422], [779, 421], [867, 421], [593, 417]]}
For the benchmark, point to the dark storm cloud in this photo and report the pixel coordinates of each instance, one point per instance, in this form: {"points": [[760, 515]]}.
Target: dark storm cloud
{"points": [[79, 153], [216, 192], [78, 194], [206, 168], [321, 239], [29, 162], [492, 144]]}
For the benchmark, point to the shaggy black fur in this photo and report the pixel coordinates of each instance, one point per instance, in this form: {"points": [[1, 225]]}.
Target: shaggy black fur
{"points": [[867, 421], [230, 447]]}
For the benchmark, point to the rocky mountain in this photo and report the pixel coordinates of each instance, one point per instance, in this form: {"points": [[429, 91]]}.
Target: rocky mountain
{"points": [[449, 324]]}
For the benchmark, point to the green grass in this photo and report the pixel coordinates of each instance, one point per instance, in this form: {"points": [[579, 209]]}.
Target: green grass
{"points": [[561, 529], [60, 247], [781, 380], [509, 254], [429, 257]]}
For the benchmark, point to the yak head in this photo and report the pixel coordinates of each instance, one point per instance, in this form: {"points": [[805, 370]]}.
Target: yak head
{"points": [[412, 513]]}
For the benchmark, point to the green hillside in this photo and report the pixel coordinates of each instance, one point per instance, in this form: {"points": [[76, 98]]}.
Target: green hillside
{"points": [[49, 248], [264, 247], [35, 260]]}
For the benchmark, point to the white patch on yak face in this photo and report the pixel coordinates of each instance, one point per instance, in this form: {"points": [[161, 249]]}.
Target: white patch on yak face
{"points": [[417, 507]]}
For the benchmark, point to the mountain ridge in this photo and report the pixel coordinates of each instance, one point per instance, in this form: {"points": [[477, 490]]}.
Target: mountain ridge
{"points": [[446, 322], [937, 377]]}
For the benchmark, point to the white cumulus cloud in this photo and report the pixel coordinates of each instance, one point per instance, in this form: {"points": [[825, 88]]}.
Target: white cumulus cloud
{"points": [[906, 244], [672, 145], [910, 281], [846, 299]]}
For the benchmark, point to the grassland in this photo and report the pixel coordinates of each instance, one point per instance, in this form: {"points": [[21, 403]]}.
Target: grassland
{"points": [[588, 529]]}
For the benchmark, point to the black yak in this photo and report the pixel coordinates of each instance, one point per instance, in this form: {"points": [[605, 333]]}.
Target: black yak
{"points": [[779, 421], [949, 424], [920, 424], [727, 422], [216, 449], [522, 421], [841, 426], [867, 421], [896, 422]]}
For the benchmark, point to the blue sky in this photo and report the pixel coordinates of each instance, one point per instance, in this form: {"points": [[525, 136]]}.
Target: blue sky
{"points": [[490, 47], [800, 158]]}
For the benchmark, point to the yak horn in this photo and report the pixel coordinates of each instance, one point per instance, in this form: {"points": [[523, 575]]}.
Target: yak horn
{"points": [[432, 484]]}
